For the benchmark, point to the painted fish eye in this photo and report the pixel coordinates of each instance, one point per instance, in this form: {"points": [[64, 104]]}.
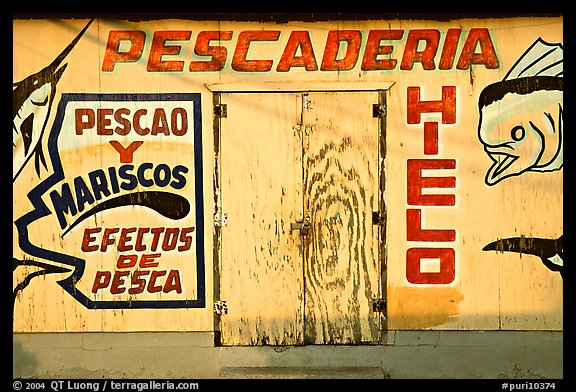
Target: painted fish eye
{"points": [[517, 133]]}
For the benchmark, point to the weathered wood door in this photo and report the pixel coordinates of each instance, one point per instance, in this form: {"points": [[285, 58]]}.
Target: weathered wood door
{"points": [[299, 181]]}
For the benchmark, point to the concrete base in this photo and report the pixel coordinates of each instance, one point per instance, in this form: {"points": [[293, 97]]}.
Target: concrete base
{"points": [[418, 354], [298, 372]]}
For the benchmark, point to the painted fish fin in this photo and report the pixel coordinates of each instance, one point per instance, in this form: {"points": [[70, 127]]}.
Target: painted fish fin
{"points": [[39, 159], [540, 59]]}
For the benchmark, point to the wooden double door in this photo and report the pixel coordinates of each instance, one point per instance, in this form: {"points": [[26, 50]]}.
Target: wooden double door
{"points": [[299, 178]]}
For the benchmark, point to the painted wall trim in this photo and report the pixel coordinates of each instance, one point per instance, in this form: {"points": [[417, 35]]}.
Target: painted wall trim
{"points": [[299, 86]]}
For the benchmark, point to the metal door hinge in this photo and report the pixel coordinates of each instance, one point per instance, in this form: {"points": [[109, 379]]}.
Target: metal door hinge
{"points": [[220, 307], [379, 305], [306, 103], [220, 219], [221, 110], [378, 110], [378, 218]]}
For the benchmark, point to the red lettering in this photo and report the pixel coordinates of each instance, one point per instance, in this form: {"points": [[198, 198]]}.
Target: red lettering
{"points": [[430, 138], [170, 239], [446, 106], [414, 231], [126, 261], [136, 122], [137, 239], [341, 51], [102, 121], [185, 238], [138, 280], [445, 275], [353, 39], [173, 282], [139, 245], [298, 39], [445, 257], [449, 50], [426, 56], [86, 119], [182, 114], [118, 281], [245, 38], [156, 236], [152, 288], [416, 182], [126, 154], [106, 240], [159, 49], [81, 124], [112, 54], [217, 53], [370, 62], [487, 55], [88, 238], [102, 280], [160, 123], [138, 283], [125, 130], [147, 261]]}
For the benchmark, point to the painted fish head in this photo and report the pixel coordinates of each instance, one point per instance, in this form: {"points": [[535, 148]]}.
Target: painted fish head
{"points": [[521, 132]]}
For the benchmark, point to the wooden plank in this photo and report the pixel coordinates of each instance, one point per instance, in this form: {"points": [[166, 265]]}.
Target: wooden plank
{"points": [[261, 262], [341, 191]]}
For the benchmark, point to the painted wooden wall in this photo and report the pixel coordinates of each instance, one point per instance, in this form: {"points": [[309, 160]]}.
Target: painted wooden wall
{"points": [[401, 199]]}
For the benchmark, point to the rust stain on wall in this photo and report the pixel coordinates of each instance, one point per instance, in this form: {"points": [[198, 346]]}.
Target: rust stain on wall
{"points": [[423, 307]]}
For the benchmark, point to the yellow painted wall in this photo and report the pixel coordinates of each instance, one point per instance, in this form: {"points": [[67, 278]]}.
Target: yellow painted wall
{"points": [[490, 290]]}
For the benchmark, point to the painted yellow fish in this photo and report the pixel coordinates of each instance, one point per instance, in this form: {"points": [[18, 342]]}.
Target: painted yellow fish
{"points": [[521, 119]]}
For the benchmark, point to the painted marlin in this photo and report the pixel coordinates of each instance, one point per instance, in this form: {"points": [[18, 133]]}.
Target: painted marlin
{"points": [[521, 121], [550, 251], [32, 100]]}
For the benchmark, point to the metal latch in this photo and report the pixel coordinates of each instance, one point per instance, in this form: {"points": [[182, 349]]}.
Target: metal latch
{"points": [[379, 305], [221, 110], [378, 110], [378, 218], [220, 219], [220, 307], [301, 224]]}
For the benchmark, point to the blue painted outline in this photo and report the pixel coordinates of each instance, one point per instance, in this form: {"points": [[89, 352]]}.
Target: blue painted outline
{"points": [[41, 209]]}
